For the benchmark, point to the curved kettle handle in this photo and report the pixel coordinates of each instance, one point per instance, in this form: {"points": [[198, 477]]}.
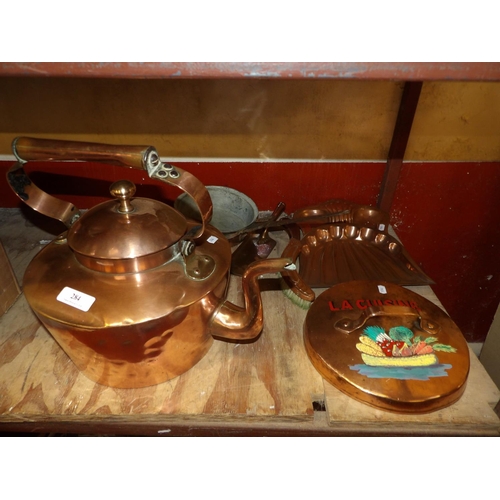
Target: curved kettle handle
{"points": [[138, 157]]}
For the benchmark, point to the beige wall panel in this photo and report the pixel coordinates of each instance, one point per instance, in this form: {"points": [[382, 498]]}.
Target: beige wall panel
{"points": [[456, 121], [317, 119], [260, 119]]}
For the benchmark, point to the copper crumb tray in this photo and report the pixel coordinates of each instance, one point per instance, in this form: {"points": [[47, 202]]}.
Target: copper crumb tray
{"points": [[337, 253]]}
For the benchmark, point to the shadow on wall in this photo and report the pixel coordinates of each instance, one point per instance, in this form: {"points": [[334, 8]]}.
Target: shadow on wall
{"points": [[306, 119]]}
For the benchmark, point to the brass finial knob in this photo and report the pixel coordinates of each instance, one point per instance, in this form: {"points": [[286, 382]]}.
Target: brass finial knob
{"points": [[123, 190]]}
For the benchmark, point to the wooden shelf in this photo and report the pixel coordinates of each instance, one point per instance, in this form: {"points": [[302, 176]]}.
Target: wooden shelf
{"points": [[268, 387], [401, 71]]}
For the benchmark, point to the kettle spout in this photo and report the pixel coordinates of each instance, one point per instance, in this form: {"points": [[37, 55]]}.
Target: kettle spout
{"points": [[244, 323]]}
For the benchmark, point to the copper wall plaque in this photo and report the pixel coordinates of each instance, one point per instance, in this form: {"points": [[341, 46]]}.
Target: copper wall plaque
{"points": [[387, 347]]}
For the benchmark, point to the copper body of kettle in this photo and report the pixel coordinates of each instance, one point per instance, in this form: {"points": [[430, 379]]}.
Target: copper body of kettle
{"points": [[133, 292]]}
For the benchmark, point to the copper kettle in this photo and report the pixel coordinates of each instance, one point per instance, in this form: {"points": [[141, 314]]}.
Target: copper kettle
{"points": [[133, 292]]}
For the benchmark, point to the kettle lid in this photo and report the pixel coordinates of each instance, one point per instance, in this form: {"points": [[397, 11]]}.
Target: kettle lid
{"points": [[126, 228]]}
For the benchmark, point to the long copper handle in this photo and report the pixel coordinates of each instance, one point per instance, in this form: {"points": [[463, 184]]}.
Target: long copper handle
{"points": [[138, 157], [30, 149]]}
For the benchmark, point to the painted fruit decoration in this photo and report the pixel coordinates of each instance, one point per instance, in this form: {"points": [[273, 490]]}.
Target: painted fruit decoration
{"points": [[399, 347]]}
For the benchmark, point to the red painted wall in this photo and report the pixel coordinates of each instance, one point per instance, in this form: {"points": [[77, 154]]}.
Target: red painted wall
{"points": [[444, 213], [297, 184], [447, 216]]}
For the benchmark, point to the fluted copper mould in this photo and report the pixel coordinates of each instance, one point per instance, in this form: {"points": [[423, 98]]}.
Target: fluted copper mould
{"points": [[133, 291]]}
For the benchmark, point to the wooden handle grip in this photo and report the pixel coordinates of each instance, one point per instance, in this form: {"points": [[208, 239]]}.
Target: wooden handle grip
{"points": [[32, 149]]}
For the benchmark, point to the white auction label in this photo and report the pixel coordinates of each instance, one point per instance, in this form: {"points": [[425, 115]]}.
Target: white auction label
{"points": [[382, 289], [212, 239], [77, 299], [381, 227]]}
